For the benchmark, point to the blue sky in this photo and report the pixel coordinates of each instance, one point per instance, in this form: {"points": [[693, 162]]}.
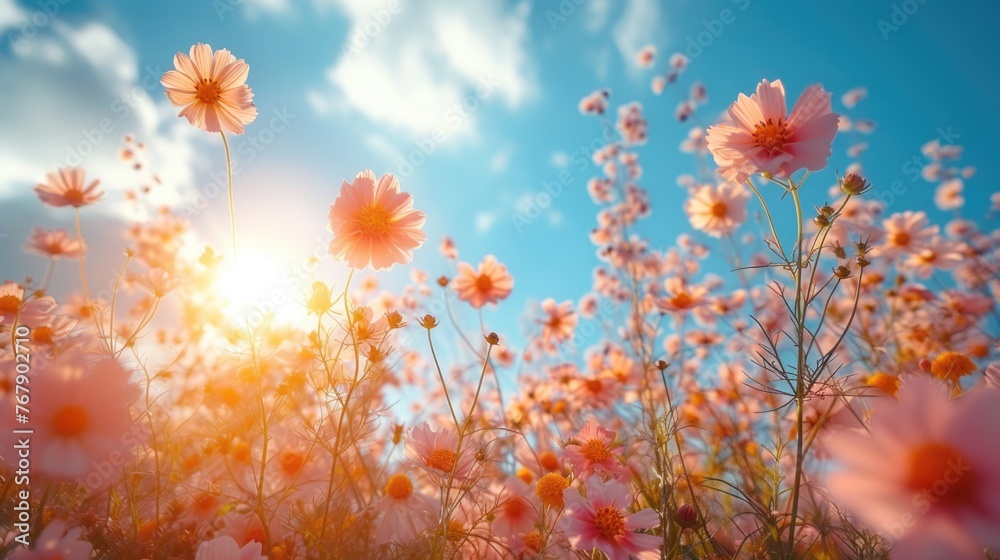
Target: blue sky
{"points": [[329, 110]]}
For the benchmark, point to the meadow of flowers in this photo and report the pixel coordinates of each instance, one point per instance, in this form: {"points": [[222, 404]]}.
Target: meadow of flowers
{"points": [[833, 395]]}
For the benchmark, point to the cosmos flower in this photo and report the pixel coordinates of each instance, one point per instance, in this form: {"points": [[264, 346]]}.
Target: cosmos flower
{"points": [[374, 224], [717, 210], [65, 188], [55, 542], [923, 477], [491, 283], [436, 452], [211, 88], [55, 244], [225, 548], [764, 139], [407, 513], [601, 521], [595, 452]]}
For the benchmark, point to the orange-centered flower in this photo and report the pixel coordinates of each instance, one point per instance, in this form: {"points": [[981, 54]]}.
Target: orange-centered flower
{"points": [[212, 89]]}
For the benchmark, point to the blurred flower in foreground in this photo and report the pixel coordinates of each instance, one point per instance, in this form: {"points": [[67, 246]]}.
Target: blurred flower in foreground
{"points": [[763, 139], [924, 478], [374, 224], [211, 89], [225, 548], [489, 284], [34, 312], [65, 188], [601, 521]]}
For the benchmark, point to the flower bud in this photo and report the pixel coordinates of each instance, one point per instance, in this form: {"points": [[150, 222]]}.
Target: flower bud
{"points": [[854, 184], [821, 220], [687, 516], [428, 321], [493, 338], [443, 281], [842, 272]]}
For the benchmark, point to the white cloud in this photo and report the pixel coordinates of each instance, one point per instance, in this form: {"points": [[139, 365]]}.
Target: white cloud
{"points": [[414, 69], [597, 15], [485, 221], [637, 27], [72, 93], [10, 15]]}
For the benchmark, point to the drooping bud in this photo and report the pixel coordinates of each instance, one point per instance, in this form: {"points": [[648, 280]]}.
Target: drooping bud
{"points": [[854, 184]]}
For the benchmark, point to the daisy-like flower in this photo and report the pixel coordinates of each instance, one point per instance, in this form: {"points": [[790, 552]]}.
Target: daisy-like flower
{"points": [[225, 548], [211, 88], [905, 233], [764, 139], [560, 321], [65, 188], [602, 521], [489, 284], [34, 312], [680, 297], [948, 195], [717, 210], [595, 452], [407, 512], [81, 418], [55, 244], [436, 452], [374, 224], [56, 542], [157, 281], [923, 478]]}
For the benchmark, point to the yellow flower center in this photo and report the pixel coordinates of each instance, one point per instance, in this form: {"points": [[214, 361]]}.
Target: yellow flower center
{"points": [[42, 335], [550, 489], [770, 135], [901, 238], [951, 366], [533, 541], [70, 421], [399, 487], [442, 459], [595, 451], [682, 300], [483, 283], [208, 91], [548, 460], [374, 220], [939, 469], [609, 522], [719, 210], [516, 507], [9, 304], [888, 384]]}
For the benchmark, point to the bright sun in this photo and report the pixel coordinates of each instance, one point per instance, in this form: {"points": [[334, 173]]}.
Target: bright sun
{"points": [[252, 290]]}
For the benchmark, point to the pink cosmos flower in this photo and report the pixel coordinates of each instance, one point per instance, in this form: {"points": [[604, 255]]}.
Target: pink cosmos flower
{"points": [[595, 452], [560, 321], [55, 244], [65, 188], [212, 89], [436, 452], [80, 412], [34, 312], [56, 542], [906, 233], [948, 195], [924, 478], [717, 210], [374, 224], [763, 139], [602, 521], [490, 284], [407, 513], [225, 548]]}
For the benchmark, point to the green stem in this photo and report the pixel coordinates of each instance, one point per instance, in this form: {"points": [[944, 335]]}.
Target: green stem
{"points": [[229, 177]]}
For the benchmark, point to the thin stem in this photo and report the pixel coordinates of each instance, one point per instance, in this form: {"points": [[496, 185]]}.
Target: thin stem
{"points": [[229, 177], [800, 320], [79, 238]]}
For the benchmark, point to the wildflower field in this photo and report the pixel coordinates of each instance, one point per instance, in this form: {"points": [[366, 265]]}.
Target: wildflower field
{"points": [[783, 348]]}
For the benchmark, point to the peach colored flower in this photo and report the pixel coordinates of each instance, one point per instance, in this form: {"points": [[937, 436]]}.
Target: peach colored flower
{"points": [[407, 512], [55, 244], [374, 224], [594, 452], [65, 188], [763, 139], [560, 321], [645, 56], [212, 89], [157, 281], [80, 413], [33, 312], [948, 195], [717, 210], [905, 233], [435, 451], [602, 521], [225, 548], [491, 283], [925, 478]]}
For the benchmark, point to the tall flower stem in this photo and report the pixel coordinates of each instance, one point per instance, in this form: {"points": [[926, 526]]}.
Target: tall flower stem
{"points": [[800, 387], [229, 178], [79, 238]]}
